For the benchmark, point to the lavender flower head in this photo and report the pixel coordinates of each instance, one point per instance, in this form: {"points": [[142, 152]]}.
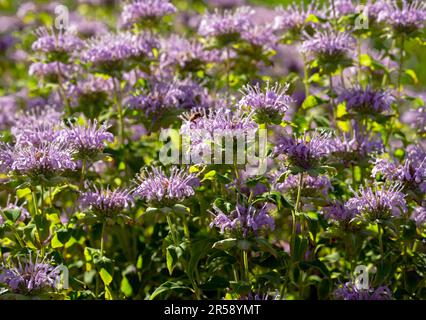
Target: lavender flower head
{"points": [[367, 101], [339, 212], [112, 49], [62, 42], [46, 160], [53, 71], [9, 106], [269, 104], [13, 206], [243, 220], [295, 18], [329, 47], [312, 186], [92, 85], [411, 173], [164, 95], [261, 36], [305, 152], [228, 25], [349, 291], [36, 126], [156, 186], [419, 216], [186, 54], [89, 140], [378, 203], [29, 277], [201, 126], [139, 10], [106, 202], [405, 18], [355, 147]]}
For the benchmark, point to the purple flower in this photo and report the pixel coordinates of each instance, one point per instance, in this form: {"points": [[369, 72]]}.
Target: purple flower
{"points": [[6, 157], [329, 47], [93, 84], [201, 126], [419, 216], [89, 140], [186, 54], [356, 146], [227, 24], [140, 10], [158, 187], [339, 212], [349, 291], [343, 8], [243, 220], [48, 159], [37, 126], [312, 186], [270, 103], [29, 277], [86, 28], [110, 49], [24, 214], [305, 152], [378, 203], [105, 202], [8, 106], [50, 42], [407, 17], [261, 36], [412, 173], [294, 18], [367, 101], [51, 71]]}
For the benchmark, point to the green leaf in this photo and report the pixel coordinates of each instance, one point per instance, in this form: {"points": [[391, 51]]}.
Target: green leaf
{"points": [[12, 214], [412, 74], [167, 286], [225, 244], [264, 245], [20, 193], [105, 276], [126, 287], [310, 102], [171, 258], [209, 175], [365, 60]]}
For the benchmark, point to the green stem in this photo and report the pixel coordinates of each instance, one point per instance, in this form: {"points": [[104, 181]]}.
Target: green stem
{"points": [[62, 90], [246, 268], [305, 75], [332, 104], [102, 239], [359, 74], [400, 66], [83, 173], [169, 222], [380, 232], [119, 111]]}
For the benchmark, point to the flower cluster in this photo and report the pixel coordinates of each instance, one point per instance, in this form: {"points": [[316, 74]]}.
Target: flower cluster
{"points": [[349, 291], [29, 277], [139, 10], [243, 220], [378, 203], [157, 186], [106, 202]]}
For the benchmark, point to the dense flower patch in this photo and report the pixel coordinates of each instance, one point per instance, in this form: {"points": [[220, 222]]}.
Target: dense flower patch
{"points": [[158, 149]]}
